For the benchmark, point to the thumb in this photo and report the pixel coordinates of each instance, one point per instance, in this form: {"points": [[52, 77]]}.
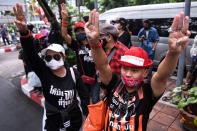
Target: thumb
{"points": [[185, 41], [86, 27]]}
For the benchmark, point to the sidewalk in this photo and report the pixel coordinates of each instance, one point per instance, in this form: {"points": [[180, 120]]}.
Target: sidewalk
{"points": [[9, 48], [164, 117]]}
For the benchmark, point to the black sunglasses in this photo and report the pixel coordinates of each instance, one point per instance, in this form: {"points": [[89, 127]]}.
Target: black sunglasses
{"points": [[56, 57]]}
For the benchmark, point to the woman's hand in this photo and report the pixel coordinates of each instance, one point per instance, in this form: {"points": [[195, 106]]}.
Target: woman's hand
{"points": [[64, 12], [20, 19], [92, 27], [179, 34]]}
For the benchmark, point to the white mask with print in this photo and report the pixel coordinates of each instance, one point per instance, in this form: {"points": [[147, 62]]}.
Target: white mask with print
{"points": [[54, 65]]}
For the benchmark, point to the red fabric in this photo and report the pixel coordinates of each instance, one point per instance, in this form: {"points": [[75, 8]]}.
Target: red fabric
{"points": [[38, 36], [64, 23], [114, 63], [138, 52], [79, 24]]}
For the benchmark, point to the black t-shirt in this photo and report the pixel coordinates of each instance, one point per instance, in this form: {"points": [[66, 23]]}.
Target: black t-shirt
{"points": [[59, 92], [85, 61], [128, 111], [125, 39]]}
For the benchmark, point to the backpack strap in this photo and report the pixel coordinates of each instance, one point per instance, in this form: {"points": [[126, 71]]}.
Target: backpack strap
{"points": [[73, 74], [76, 92]]}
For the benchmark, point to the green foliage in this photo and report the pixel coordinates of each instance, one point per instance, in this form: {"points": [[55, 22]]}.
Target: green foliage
{"points": [[71, 57], [89, 4], [191, 98], [109, 4]]}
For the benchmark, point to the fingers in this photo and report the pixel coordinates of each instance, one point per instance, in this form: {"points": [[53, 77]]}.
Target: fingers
{"points": [[97, 21], [180, 23], [86, 27], [175, 23], [19, 9], [185, 25], [188, 33], [63, 7], [14, 9], [92, 17], [184, 41]]}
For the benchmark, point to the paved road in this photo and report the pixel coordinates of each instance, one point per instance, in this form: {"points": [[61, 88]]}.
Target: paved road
{"points": [[17, 112]]}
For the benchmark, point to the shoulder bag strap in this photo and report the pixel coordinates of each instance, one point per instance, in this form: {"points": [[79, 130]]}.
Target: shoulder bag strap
{"points": [[109, 58], [73, 74]]}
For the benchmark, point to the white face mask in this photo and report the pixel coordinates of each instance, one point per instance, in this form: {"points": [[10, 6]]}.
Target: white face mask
{"points": [[54, 65]]}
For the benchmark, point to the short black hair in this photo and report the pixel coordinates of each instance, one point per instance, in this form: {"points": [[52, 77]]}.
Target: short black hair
{"points": [[86, 18], [147, 21], [122, 22]]}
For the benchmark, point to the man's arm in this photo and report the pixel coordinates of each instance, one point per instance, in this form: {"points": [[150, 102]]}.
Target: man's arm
{"points": [[154, 45], [156, 38], [178, 40], [102, 65], [140, 36], [99, 56]]}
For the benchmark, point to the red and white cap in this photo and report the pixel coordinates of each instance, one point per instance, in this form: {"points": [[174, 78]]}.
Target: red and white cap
{"points": [[136, 57]]}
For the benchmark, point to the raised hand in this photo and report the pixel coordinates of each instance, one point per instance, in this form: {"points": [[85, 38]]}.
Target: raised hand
{"points": [[179, 33], [20, 18], [92, 27], [64, 11]]}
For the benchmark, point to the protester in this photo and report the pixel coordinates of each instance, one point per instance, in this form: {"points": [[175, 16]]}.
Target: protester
{"points": [[40, 42], [149, 37], [110, 44], [13, 35], [60, 83], [124, 35], [85, 63], [192, 73], [45, 32], [4, 35], [130, 99]]}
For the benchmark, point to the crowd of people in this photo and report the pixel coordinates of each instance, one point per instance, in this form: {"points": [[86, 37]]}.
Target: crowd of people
{"points": [[107, 62]]}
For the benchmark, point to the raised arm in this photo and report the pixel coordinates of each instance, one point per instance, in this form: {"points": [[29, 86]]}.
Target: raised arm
{"points": [[177, 42], [26, 39], [64, 13], [99, 56]]}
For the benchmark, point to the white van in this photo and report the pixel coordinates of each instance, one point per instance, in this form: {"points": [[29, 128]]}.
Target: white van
{"points": [[161, 17]]}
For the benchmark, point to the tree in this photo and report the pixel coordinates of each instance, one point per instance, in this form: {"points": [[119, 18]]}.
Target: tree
{"points": [[89, 4], [109, 4]]}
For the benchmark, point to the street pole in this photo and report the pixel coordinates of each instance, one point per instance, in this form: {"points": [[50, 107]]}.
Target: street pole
{"points": [[96, 4], [79, 12], [181, 64]]}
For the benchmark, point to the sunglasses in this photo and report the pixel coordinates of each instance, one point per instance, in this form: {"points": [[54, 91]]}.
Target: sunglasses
{"points": [[56, 57]]}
